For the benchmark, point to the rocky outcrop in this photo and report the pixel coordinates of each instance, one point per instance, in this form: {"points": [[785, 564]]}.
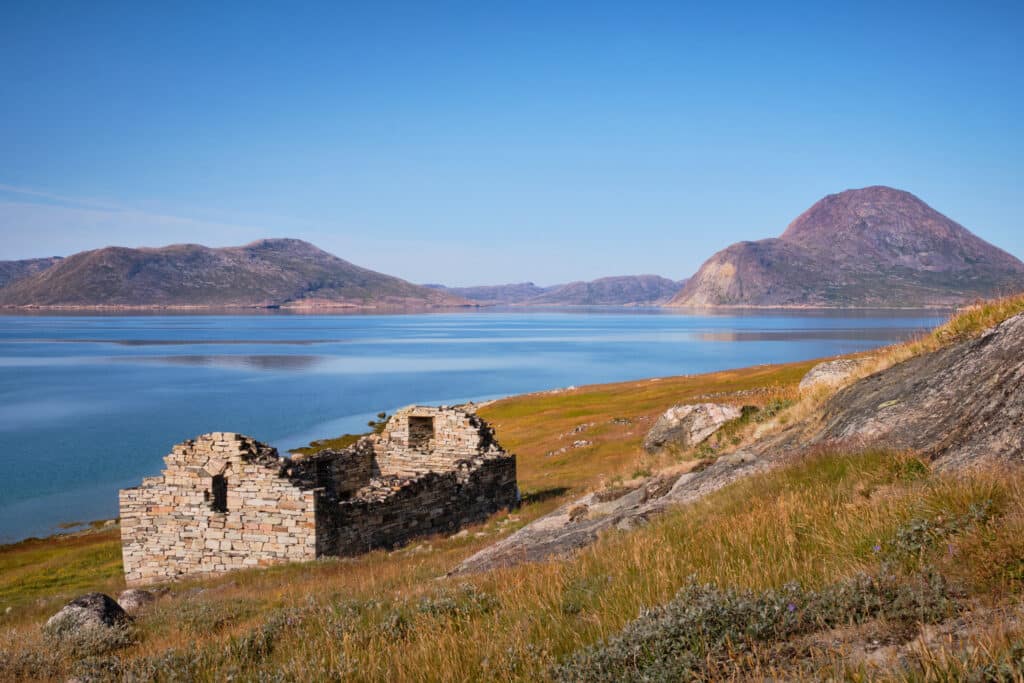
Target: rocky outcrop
{"points": [[90, 612], [578, 523], [688, 425], [830, 373], [959, 405], [876, 246]]}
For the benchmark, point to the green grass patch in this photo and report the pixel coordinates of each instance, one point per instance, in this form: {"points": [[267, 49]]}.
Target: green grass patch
{"points": [[59, 567], [336, 444]]}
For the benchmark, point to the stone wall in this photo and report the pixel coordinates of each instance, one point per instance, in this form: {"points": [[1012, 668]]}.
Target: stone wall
{"points": [[170, 527], [393, 510], [458, 435], [226, 501], [340, 472]]}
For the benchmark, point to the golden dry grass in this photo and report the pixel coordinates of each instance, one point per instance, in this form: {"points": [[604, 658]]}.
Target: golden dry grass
{"points": [[391, 616], [387, 617], [533, 425]]}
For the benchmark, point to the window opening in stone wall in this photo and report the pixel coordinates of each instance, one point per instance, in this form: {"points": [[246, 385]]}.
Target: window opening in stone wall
{"points": [[219, 493], [421, 431], [323, 474]]}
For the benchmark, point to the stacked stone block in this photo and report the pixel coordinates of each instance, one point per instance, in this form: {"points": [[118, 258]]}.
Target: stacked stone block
{"points": [[169, 526], [380, 492], [458, 435], [340, 472], [392, 510]]}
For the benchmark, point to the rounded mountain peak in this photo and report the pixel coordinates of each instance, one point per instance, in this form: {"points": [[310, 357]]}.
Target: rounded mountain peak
{"points": [[281, 244], [874, 246], [876, 209], [885, 225]]}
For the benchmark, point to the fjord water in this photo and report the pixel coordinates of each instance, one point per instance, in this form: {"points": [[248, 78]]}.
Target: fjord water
{"points": [[90, 404]]}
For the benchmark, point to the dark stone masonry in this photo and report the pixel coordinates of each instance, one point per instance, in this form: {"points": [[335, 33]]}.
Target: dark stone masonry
{"points": [[227, 501]]}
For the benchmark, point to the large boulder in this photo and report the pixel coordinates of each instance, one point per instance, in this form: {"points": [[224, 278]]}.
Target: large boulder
{"points": [[831, 373], [92, 623], [135, 600], [688, 425]]}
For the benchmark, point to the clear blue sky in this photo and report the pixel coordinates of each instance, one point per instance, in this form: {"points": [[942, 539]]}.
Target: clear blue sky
{"points": [[479, 142]]}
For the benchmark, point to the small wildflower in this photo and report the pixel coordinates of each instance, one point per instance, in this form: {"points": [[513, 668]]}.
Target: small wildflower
{"points": [[877, 548], [791, 607]]}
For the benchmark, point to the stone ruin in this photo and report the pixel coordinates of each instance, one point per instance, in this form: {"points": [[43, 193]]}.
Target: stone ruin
{"points": [[227, 501]]}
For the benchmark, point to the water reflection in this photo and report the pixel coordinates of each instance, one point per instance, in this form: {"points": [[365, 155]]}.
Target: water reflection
{"points": [[247, 362], [882, 334], [178, 342], [98, 400]]}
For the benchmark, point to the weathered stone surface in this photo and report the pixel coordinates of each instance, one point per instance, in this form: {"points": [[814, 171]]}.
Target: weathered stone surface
{"points": [[228, 502], [959, 405], [687, 425], [135, 600], [738, 458], [830, 373], [578, 523], [92, 611], [194, 521]]}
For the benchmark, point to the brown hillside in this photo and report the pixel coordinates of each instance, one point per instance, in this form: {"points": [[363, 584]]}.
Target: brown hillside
{"points": [[267, 273], [875, 246]]}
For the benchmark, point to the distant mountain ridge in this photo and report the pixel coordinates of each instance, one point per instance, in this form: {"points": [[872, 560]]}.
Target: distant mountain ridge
{"points": [[268, 273], [12, 271], [872, 247], [624, 290], [497, 294], [875, 246]]}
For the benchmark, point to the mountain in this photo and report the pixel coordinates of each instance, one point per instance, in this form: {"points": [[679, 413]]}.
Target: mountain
{"points": [[496, 294], [268, 273], [11, 271], [875, 246], [611, 291], [626, 290]]}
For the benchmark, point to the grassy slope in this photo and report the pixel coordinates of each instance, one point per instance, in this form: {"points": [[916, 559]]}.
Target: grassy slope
{"points": [[60, 566], [53, 570], [383, 616]]}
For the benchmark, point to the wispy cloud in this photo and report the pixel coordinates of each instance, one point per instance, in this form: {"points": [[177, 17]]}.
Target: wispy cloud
{"points": [[42, 196], [37, 222]]}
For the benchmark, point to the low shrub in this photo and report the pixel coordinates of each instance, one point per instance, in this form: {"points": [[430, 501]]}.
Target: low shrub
{"points": [[704, 625]]}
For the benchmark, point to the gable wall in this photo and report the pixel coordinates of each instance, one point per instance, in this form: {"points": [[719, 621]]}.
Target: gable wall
{"points": [[168, 527]]}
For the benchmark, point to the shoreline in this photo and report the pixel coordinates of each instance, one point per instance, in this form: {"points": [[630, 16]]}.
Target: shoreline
{"points": [[569, 383], [339, 309], [77, 529], [68, 530]]}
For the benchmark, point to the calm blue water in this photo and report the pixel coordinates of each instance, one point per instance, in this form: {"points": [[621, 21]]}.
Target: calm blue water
{"points": [[91, 404]]}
